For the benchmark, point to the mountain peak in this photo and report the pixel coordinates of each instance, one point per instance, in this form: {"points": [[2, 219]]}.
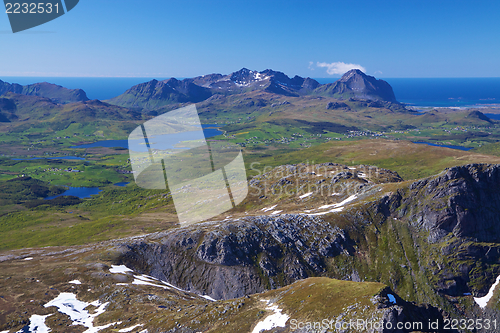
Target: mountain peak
{"points": [[352, 73], [244, 70], [357, 84]]}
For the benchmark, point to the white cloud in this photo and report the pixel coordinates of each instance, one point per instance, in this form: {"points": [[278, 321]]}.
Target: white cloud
{"points": [[339, 67], [311, 65]]}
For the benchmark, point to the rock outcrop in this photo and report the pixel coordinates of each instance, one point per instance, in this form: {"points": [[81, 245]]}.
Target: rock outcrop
{"points": [[240, 257], [463, 200], [337, 106]]}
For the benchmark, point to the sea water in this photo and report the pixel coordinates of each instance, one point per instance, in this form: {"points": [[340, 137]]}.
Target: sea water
{"points": [[443, 92]]}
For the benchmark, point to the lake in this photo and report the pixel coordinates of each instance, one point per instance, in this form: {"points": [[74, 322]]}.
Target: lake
{"points": [[445, 146], [210, 130], [80, 192], [50, 158]]}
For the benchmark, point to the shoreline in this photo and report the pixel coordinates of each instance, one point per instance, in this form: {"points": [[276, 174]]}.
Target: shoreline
{"points": [[484, 108]]}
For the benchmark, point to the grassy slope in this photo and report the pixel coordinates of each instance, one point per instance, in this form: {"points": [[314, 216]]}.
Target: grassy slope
{"points": [[238, 108], [490, 149], [116, 212], [410, 160]]}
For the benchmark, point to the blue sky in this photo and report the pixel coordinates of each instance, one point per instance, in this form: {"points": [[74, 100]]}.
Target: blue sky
{"points": [[185, 38]]}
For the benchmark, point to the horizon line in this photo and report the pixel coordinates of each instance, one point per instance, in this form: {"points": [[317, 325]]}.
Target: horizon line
{"points": [[187, 77]]}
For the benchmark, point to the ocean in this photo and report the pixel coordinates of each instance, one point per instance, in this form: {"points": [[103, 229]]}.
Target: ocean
{"points": [[101, 88], [443, 92], [439, 92]]}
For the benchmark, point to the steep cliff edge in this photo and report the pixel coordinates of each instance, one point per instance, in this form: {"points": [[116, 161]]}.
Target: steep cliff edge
{"points": [[432, 241], [463, 200], [242, 257]]}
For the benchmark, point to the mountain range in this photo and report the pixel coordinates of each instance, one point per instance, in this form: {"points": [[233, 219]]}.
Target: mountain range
{"points": [[267, 102], [155, 94]]}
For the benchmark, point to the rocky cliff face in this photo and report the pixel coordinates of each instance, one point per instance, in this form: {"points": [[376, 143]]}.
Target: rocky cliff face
{"points": [[240, 257], [458, 214], [54, 92], [425, 240], [463, 201]]}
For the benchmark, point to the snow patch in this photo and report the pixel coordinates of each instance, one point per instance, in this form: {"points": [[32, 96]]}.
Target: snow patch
{"points": [[337, 207], [29, 258], [275, 320], [171, 285], [340, 204], [129, 329], [327, 212], [75, 282], [268, 208], [208, 297], [306, 195], [276, 212], [119, 269], [147, 280], [483, 301], [37, 325], [68, 304]]}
